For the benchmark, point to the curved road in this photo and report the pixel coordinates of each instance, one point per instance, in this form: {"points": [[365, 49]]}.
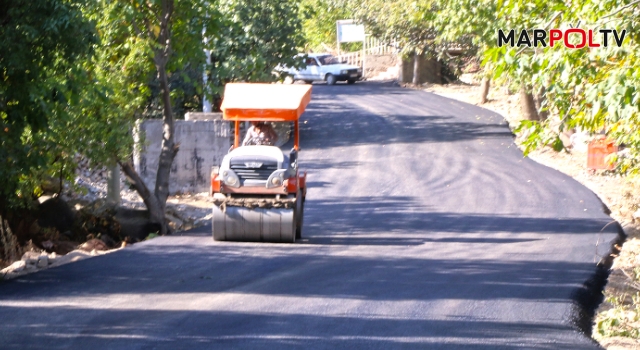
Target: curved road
{"points": [[425, 228]]}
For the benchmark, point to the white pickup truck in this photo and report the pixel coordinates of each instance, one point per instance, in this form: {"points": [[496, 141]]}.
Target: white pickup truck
{"points": [[325, 67]]}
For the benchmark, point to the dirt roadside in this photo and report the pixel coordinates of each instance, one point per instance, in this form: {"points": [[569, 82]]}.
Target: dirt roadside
{"points": [[619, 314], [184, 212]]}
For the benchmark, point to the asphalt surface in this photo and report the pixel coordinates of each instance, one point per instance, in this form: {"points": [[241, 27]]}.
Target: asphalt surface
{"points": [[424, 228]]}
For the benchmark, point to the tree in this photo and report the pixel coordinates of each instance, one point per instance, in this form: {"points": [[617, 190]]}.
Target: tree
{"points": [[43, 45], [593, 90], [253, 39], [319, 23], [69, 88], [414, 25], [471, 24], [152, 53], [139, 40]]}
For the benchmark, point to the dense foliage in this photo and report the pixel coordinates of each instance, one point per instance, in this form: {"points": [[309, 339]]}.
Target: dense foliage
{"points": [[76, 75], [410, 23], [43, 45], [253, 39], [319, 25], [594, 90]]}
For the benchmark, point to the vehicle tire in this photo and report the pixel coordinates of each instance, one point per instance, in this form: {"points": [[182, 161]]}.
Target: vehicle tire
{"points": [[351, 81], [331, 79], [299, 216], [308, 81]]}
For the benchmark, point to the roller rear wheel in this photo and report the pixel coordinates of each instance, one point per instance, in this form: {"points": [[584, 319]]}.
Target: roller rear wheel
{"points": [[254, 225]]}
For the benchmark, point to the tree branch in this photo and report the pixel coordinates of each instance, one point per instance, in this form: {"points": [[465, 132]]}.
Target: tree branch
{"points": [[134, 23], [553, 19], [631, 284], [545, 27], [136, 181], [621, 9], [155, 210]]}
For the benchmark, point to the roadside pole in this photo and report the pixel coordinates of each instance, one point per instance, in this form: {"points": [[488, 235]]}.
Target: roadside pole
{"points": [[113, 184], [364, 56], [339, 34], [206, 104]]}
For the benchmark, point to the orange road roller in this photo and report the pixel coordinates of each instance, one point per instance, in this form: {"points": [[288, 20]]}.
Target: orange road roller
{"points": [[258, 190]]}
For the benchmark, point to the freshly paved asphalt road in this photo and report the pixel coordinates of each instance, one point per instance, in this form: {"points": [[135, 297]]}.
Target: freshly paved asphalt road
{"points": [[425, 228]]}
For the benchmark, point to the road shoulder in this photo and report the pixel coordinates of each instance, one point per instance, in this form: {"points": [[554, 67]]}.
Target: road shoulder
{"points": [[619, 313]]}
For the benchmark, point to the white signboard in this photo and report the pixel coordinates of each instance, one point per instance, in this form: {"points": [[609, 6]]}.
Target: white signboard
{"points": [[348, 31]]}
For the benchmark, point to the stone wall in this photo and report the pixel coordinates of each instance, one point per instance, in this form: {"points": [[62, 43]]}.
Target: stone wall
{"points": [[391, 67], [378, 64], [430, 70], [203, 143]]}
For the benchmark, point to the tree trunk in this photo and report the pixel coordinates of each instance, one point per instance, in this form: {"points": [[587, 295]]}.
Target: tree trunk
{"points": [[156, 211], [484, 90], [169, 148], [416, 68], [529, 111], [113, 184], [540, 99], [157, 200]]}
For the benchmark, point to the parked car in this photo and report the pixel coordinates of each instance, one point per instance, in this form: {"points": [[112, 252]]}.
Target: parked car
{"points": [[325, 67]]}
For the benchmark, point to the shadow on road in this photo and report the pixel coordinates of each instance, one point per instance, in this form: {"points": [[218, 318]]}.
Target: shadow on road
{"points": [[202, 271], [227, 269], [355, 126], [139, 328], [365, 241], [206, 271], [401, 214]]}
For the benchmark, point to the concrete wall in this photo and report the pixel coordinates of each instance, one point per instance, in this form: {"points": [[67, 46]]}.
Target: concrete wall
{"points": [[203, 116], [203, 143]]}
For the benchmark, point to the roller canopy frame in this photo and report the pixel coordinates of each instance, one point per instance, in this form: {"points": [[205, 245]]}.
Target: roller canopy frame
{"points": [[265, 102]]}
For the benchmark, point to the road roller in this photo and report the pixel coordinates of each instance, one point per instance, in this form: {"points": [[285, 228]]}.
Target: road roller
{"points": [[258, 190]]}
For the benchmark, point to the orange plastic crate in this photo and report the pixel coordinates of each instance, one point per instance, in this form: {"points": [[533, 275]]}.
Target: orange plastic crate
{"points": [[597, 152]]}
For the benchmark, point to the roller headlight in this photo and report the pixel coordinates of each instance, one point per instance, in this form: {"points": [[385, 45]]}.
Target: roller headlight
{"points": [[344, 71], [276, 179], [230, 178]]}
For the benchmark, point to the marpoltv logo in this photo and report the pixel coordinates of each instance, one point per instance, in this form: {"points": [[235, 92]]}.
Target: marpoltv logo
{"points": [[573, 38]]}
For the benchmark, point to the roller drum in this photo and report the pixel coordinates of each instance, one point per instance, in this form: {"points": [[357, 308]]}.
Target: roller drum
{"points": [[254, 225]]}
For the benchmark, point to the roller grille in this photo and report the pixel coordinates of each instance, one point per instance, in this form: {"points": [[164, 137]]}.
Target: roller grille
{"points": [[251, 172]]}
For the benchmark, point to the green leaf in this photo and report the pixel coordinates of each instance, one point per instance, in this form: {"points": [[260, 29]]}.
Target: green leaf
{"points": [[557, 144]]}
